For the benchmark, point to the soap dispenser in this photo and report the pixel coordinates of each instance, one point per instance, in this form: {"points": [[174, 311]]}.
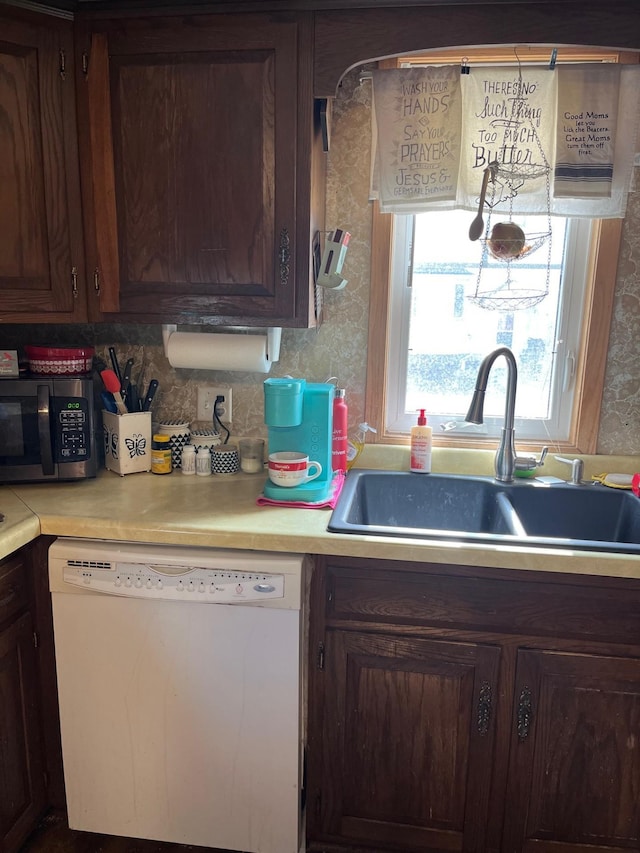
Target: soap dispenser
{"points": [[421, 437]]}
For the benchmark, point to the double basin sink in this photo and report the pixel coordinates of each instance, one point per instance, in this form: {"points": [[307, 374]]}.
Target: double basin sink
{"points": [[480, 509]]}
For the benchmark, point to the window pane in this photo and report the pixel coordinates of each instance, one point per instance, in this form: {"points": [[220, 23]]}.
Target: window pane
{"points": [[449, 335]]}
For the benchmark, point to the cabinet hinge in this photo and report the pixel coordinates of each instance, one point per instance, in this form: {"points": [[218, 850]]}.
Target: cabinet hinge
{"points": [[484, 708], [74, 282], [284, 256], [321, 656], [524, 713], [85, 63], [96, 280], [36, 641], [62, 68]]}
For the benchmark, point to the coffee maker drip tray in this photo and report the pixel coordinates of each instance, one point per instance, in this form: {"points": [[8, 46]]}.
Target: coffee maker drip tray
{"points": [[317, 490]]}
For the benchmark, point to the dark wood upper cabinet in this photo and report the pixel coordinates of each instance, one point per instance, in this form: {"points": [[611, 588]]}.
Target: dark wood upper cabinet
{"points": [[198, 147], [41, 250]]}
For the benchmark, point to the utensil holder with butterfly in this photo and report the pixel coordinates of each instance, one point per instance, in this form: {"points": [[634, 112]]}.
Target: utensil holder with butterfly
{"points": [[127, 442]]}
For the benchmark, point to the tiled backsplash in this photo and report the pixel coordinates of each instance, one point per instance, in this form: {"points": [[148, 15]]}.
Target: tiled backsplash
{"points": [[339, 347]]}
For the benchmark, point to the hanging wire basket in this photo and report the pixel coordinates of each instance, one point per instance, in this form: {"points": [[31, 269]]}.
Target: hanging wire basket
{"points": [[532, 242], [510, 296], [513, 172], [511, 299]]}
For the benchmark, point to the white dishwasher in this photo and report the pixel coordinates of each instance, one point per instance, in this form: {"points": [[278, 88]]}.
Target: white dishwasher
{"points": [[180, 686]]}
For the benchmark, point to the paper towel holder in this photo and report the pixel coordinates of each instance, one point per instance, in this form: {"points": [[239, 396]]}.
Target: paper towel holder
{"points": [[273, 338]]}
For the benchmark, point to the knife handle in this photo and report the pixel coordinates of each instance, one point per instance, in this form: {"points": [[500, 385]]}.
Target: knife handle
{"points": [[114, 363], [132, 400], [126, 375], [151, 392]]}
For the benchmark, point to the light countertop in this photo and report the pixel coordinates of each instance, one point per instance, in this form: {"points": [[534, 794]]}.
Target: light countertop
{"points": [[222, 512]]}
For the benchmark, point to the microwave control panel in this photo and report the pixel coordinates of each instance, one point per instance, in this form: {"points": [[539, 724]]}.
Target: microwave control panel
{"points": [[72, 429]]}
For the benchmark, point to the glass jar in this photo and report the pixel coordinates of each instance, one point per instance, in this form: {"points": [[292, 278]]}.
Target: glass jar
{"points": [[160, 454]]}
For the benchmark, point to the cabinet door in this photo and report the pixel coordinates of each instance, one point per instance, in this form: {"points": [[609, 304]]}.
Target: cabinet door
{"points": [[193, 140], [407, 743], [41, 252], [22, 789], [574, 775]]}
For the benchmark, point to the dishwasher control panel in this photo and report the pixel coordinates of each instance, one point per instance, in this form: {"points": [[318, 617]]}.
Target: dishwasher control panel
{"points": [[173, 583]]}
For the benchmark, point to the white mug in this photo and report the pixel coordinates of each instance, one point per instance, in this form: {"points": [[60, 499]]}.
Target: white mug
{"points": [[289, 468]]}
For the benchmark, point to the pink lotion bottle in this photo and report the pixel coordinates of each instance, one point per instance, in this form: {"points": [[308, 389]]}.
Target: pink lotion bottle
{"points": [[421, 437]]}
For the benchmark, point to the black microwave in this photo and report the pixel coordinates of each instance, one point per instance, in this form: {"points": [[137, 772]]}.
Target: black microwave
{"points": [[47, 429]]}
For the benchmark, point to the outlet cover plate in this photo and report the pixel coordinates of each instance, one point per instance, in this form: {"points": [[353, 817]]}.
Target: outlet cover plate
{"points": [[207, 395]]}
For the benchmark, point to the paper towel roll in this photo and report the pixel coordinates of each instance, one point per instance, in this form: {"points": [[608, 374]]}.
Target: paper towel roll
{"points": [[218, 352]]}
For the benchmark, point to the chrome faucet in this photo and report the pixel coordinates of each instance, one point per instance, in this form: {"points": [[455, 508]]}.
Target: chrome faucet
{"points": [[506, 459]]}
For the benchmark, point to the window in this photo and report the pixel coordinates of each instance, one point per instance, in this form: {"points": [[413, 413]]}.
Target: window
{"points": [[436, 337], [441, 335]]}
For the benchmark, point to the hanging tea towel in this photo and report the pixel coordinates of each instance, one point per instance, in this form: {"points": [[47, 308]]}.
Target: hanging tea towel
{"points": [[509, 117], [586, 132], [416, 130]]}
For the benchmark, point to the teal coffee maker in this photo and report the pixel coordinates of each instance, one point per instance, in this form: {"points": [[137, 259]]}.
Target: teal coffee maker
{"points": [[299, 415]]}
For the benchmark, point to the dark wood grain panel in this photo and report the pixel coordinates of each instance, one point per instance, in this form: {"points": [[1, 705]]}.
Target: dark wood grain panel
{"points": [[22, 789], [345, 38], [516, 606], [40, 214], [14, 588], [426, 791], [197, 164], [574, 772], [23, 248]]}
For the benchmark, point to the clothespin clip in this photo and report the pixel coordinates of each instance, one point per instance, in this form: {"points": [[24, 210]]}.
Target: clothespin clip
{"points": [[552, 61], [464, 66]]}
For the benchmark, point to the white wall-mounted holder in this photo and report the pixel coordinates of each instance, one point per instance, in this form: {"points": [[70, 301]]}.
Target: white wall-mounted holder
{"points": [[253, 353]]}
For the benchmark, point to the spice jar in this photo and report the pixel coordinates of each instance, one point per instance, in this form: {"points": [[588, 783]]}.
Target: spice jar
{"points": [[160, 454]]}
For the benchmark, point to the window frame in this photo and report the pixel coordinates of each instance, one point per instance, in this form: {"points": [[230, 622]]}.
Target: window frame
{"points": [[597, 309]]}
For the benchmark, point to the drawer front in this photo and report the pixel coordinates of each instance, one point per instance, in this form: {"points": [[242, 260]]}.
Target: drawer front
{"points": [[14, 588], [378, 593]]}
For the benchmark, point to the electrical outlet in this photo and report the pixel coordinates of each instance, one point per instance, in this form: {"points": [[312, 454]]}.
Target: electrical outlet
{"points": [[207, 395]]}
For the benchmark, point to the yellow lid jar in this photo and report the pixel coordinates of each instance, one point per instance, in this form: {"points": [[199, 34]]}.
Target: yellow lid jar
{"points": [[160, 454]]}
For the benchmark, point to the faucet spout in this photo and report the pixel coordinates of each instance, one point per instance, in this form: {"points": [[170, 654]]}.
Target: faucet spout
{"points": [[506, 453]]}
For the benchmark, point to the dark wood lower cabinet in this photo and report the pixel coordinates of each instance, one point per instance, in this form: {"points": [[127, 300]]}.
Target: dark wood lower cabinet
{"points": [[22, 782], [400, 706], [433, 728], [30, 755], [574, 770]]}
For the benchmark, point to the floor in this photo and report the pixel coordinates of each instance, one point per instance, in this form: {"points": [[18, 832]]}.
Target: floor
{"points": [[54, 836]]}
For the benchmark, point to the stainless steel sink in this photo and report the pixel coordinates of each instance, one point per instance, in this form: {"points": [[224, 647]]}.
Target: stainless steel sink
{"points": [[480, 509]]}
